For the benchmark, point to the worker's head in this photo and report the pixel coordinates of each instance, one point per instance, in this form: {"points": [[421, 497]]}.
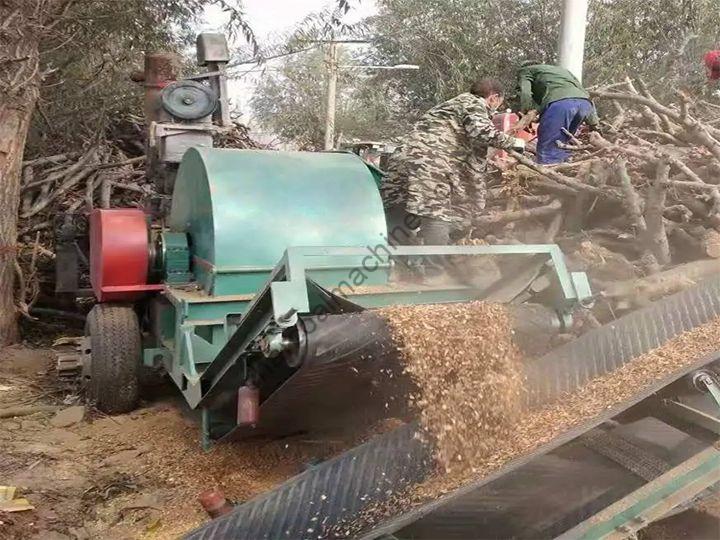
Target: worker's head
{"points": [[712, 63], [491, 90]]}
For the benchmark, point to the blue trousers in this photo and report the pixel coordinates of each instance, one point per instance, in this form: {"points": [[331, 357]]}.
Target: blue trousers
{"points": [[565, 113]]}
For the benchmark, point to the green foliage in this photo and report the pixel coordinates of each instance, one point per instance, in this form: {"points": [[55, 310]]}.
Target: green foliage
{"points": [[662, 41], [88, 56], [291, 102], [457, 41]]}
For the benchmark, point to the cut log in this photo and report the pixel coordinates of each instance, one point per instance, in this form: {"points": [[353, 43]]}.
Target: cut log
{"points": [[711, 243], [685, 247], [631, 201], [641, 291], [655, 234], [12, 412], [506, 217]]}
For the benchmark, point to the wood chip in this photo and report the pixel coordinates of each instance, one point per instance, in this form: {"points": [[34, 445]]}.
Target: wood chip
{"points": [[468, 373]]}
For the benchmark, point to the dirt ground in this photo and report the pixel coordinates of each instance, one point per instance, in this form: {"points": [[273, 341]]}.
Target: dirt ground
{"points": [[129, 476], [139, 475]]}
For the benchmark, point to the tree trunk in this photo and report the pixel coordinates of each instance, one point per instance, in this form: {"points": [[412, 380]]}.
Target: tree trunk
{"points": [[19, 87]]}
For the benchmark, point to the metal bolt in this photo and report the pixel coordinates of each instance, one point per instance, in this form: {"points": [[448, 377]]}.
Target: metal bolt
{"points": [[188, 100]]}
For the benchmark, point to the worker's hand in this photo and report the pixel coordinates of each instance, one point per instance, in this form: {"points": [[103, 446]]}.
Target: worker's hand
{"points": [[518, 145]]}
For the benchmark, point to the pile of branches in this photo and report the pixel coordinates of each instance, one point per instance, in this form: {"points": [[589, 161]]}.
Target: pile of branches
{"points": [[107, 173], [637, 207]]}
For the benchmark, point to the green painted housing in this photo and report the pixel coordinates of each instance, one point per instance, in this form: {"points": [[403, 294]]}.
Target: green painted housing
{"points": [[242, 209]]}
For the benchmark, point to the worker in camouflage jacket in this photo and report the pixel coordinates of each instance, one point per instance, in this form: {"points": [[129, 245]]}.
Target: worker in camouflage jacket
{"points": [[436, 179]]}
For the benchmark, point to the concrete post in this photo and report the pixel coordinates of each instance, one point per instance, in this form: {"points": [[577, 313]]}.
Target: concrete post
{"points": [[572, 36], [331, 90]]}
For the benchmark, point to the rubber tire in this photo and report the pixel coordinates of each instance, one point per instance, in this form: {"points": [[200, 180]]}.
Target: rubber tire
{"points": [[116, 349]]}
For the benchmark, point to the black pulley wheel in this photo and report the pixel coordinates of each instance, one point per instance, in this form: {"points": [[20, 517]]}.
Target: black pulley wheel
{"points": [[188, 100], [115, 358]]}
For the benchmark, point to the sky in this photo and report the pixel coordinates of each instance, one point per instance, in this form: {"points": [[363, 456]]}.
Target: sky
{"points": [[268, 18]]}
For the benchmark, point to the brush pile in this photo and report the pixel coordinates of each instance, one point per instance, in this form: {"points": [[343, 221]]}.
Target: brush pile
{"points": [[638, 205]]}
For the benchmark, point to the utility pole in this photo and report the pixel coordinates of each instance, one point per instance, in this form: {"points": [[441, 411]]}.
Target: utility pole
{"points": [[572, 36], [331, 59]]}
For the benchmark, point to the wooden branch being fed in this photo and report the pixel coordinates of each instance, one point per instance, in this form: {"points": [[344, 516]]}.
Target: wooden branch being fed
{"points": [[561, 178], [506, 217]]}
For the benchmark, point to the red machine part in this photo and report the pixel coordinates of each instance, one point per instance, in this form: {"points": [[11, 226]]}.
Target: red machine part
{"points": [[215, 503], [248, 405], [119, 254], [505, 123], [507, 120], [712, 63]]}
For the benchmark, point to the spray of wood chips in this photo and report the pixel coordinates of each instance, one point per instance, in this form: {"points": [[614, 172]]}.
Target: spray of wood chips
{"points": [[468, 375]]}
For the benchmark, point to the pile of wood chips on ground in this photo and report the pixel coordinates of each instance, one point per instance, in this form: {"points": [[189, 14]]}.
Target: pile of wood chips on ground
{"points": [[107, 174], [467, 370], [637, 207]]}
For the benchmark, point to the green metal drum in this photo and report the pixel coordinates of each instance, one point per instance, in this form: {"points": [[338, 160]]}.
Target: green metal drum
{"points": [[242, 209]]}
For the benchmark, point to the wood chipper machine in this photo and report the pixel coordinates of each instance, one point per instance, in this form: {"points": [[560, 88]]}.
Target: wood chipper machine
{"points": [[257, 298]]}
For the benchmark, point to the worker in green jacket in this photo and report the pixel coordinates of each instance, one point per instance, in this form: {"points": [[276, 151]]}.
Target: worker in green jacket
{"points": [[562, 102]]}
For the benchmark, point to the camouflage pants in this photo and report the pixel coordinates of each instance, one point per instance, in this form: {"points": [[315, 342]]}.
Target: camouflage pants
{"points": [[405, 228]]}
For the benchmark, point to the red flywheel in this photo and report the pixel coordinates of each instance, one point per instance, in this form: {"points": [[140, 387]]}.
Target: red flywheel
{"points": [[119, 254]]}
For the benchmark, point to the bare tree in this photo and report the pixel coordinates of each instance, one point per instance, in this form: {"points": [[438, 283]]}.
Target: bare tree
{"points": [[23, 22]]}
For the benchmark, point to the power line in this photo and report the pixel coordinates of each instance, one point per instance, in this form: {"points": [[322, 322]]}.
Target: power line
{"points": [[316, 44], [272, 57]]}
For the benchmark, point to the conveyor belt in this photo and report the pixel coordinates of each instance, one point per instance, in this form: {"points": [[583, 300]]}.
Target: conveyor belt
{"points": [[342, 358], [349, 363], [311, 504]]}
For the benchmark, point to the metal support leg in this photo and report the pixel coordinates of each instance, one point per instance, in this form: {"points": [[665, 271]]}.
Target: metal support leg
{"points": [[706, 379], [205, 427]]}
